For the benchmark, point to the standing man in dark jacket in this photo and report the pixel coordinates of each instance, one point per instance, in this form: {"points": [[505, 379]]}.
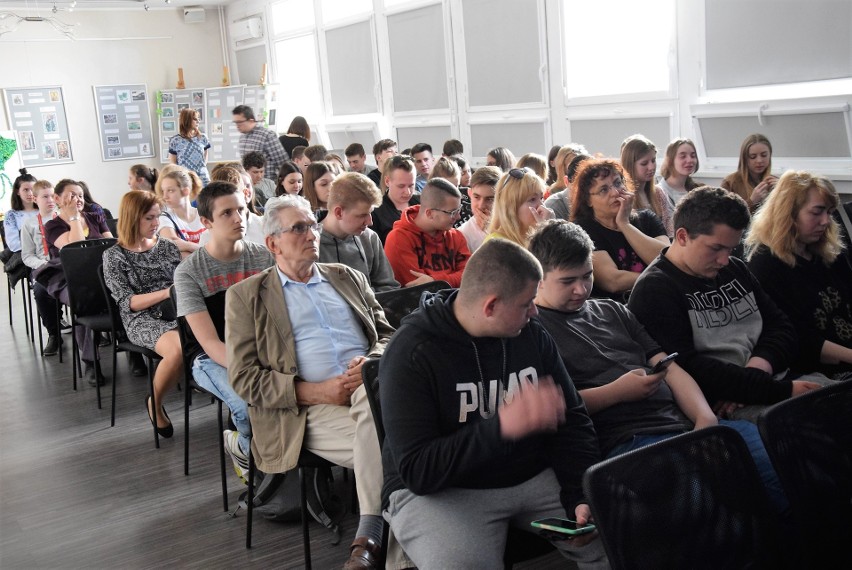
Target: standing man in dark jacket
{"points": [[484, 427]]}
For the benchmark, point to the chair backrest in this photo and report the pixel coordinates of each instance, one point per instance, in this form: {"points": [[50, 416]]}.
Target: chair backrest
{"points": [[809, 439], [112, 307], [112, 224], [692, 501], [191, 347], [80, 262], [370, 377], [397, 303]]}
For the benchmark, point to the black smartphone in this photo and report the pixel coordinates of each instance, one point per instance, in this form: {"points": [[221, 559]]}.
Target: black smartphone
{"points": [[563, 526], [664, 363]]}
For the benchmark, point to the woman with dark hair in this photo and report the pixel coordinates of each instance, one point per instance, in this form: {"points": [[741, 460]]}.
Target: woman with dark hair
{"points": [[563, 158], [560, 202], [639, 159], [23, 208], [298, 134], [142, 177], [626, 241], [290, 179], [189, 148], [501, 157], [794, 250], [139, 270], [318, 179], [551, 164], [753, 180], [90, 204]]}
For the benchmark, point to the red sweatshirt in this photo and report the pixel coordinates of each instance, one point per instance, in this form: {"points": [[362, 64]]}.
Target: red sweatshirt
{"points": [[442, 256]]}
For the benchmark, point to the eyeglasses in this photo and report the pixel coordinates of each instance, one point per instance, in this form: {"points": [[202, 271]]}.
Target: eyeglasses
{"points": [[517, 174], [617, 185], [301, 229], [241, 121], [450, 213]]}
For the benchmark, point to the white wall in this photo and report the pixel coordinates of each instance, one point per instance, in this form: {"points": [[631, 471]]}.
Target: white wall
{"points": [[46, 58]]}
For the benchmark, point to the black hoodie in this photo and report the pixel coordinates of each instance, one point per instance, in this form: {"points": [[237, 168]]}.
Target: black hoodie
{"points": [[442, 428]]}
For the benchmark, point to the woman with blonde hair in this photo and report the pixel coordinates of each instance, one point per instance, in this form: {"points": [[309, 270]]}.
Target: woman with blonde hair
{"points": [[753, 180], [180, 223], [448, 169], [639, 159], [518, 206], [139, 270], [794, 249], [679, 164], [189, 148]]}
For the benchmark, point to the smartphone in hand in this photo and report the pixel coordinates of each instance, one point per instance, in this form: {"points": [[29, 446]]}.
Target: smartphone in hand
{"points": [[664, 363], [563, 526]]}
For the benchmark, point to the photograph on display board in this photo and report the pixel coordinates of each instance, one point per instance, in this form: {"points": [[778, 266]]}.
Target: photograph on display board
{"points": [[167, 97], [113, 139], [168, 125], [48, 151], [62, 150], [49, 122], [134, 125], [200, 111], [137, 95], [144, 148], [54, 96], [27, 140], [110, 119], [114, 152], [168, 112], [182, 106], [198, 97], [122, 95], [216, 128], [17, 99]]}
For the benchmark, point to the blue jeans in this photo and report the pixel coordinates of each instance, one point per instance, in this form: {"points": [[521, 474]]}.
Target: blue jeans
{"points": [[750, 434], [214, 379]]}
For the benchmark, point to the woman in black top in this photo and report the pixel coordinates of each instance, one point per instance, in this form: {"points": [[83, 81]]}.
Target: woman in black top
{"points": [[298, 134]]}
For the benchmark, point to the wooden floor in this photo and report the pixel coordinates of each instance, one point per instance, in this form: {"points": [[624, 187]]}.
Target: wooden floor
{"points": [[76, 493]]}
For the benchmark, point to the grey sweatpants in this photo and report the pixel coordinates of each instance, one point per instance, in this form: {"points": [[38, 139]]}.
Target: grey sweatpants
{"points": [[466, 528]]}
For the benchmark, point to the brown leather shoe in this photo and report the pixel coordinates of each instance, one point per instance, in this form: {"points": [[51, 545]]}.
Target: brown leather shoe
{"points": [[364, 553]]}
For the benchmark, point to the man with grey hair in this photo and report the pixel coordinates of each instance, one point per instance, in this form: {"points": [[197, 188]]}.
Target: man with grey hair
{"points": [[297, 337]]}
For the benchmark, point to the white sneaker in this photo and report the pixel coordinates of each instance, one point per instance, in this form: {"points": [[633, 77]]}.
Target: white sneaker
{"points": [[240, 460]]}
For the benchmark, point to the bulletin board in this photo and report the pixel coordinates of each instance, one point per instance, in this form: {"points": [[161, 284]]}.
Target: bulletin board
{"points": [[10, 164], [263, 99], [170, 102], [223, 134], [38, 116], [124, 121]]}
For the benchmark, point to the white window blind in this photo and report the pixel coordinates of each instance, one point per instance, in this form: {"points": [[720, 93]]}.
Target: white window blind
{"points": [[606, 135], [351, 64], [520, 138]]}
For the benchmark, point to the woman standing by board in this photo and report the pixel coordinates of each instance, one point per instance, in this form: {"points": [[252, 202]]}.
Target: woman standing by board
{"points": [[189, 148]]}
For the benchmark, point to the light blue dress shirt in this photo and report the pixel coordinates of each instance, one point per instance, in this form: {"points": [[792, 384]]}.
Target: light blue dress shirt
{"points": [[327, 333]]}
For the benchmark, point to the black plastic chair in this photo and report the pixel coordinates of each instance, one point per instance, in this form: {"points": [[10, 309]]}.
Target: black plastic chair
{"points": [[188, 345], [520, 545], [112, 224], [809, 439], [693, 501], [89, 308], [21, 275], [121, 344], [397, 303]]}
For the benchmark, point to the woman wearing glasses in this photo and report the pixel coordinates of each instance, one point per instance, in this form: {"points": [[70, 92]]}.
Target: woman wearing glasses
{"points": [[398, 179], [189, 148], [518, 206], [795, 251], [626, 242]]}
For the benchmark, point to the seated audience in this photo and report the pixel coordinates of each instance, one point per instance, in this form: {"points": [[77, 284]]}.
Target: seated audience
{"points": [[89, 204], [356, 156], [34, 254], [253, 223], [298, 134], [177, 188], [639, 160], [72, 225], [563, 158], [464, 167], [316, 153], [290, 179], [338, 166], [139, 272], [447, 169], [318, 178], [300, 158], [753, 180], [484, 428], [795, 252], [452, 147], [501, 157], [517, 206], [679, 164], [255, 165], [398, 179], [699, 301], [424, 161], [551, 164], [423, 245], [535, 162], [297, 337], [611, 357], [256, 137], [626, 242], [481, 193], [346, 237], [141, 177], [560, 202], [382, 150], [200, 283], [23, 208]]}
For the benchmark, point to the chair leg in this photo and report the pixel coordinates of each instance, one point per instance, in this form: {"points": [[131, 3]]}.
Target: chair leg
{"points": [[59, 330], [154, 402], [75, 356], [186, 404], [9, 294], [28, 308], [221, 453], [97, 365], [40, 336], [114, 379], [306, 539], [249, 498]]}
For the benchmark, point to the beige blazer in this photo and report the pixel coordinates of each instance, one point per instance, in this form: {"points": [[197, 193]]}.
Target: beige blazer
{"points": [[262, 356]]}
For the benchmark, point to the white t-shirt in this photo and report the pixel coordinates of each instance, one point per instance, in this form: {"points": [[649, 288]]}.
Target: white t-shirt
{"points": [[254, 231], [473, 234], [188, 231]]}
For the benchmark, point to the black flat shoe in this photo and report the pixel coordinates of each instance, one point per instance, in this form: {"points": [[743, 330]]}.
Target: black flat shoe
{"points": [[167, 431]]}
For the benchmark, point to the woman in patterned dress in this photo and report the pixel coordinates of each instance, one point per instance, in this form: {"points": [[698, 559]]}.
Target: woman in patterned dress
{"points": [[189, 148], [139, 270]]}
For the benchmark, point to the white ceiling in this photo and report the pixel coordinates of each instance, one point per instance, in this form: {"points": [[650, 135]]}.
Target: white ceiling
{"points": [[46, 5]]}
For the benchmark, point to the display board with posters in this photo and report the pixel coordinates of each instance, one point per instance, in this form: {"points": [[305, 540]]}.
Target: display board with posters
{"points": [[221, 131], [124, 121], [263, 99], [170, 102], [38, 116]]}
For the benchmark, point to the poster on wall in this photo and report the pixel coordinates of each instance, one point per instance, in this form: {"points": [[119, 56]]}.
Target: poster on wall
{"points": [[222, 132], [124, 121], [170, 102], [38, 116], [263, 99], [10, 165]]}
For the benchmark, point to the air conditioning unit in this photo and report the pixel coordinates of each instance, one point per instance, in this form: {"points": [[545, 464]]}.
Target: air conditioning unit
{"points": [[193, 15], [247, 29]]}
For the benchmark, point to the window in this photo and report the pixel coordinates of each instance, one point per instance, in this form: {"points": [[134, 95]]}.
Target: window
{"points": [[337, 10], [292, 15], [618, 47], [606, 135], [520, 138], [298, 75], [351, 69]]}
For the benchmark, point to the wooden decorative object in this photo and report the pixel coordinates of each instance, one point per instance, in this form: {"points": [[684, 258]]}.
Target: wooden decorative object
{"points": [[262, 76], [180, 83], [226, 78]]}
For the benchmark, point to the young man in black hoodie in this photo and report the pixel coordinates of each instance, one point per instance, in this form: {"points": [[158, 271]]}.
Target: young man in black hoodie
{"points": [[484, 427]]}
